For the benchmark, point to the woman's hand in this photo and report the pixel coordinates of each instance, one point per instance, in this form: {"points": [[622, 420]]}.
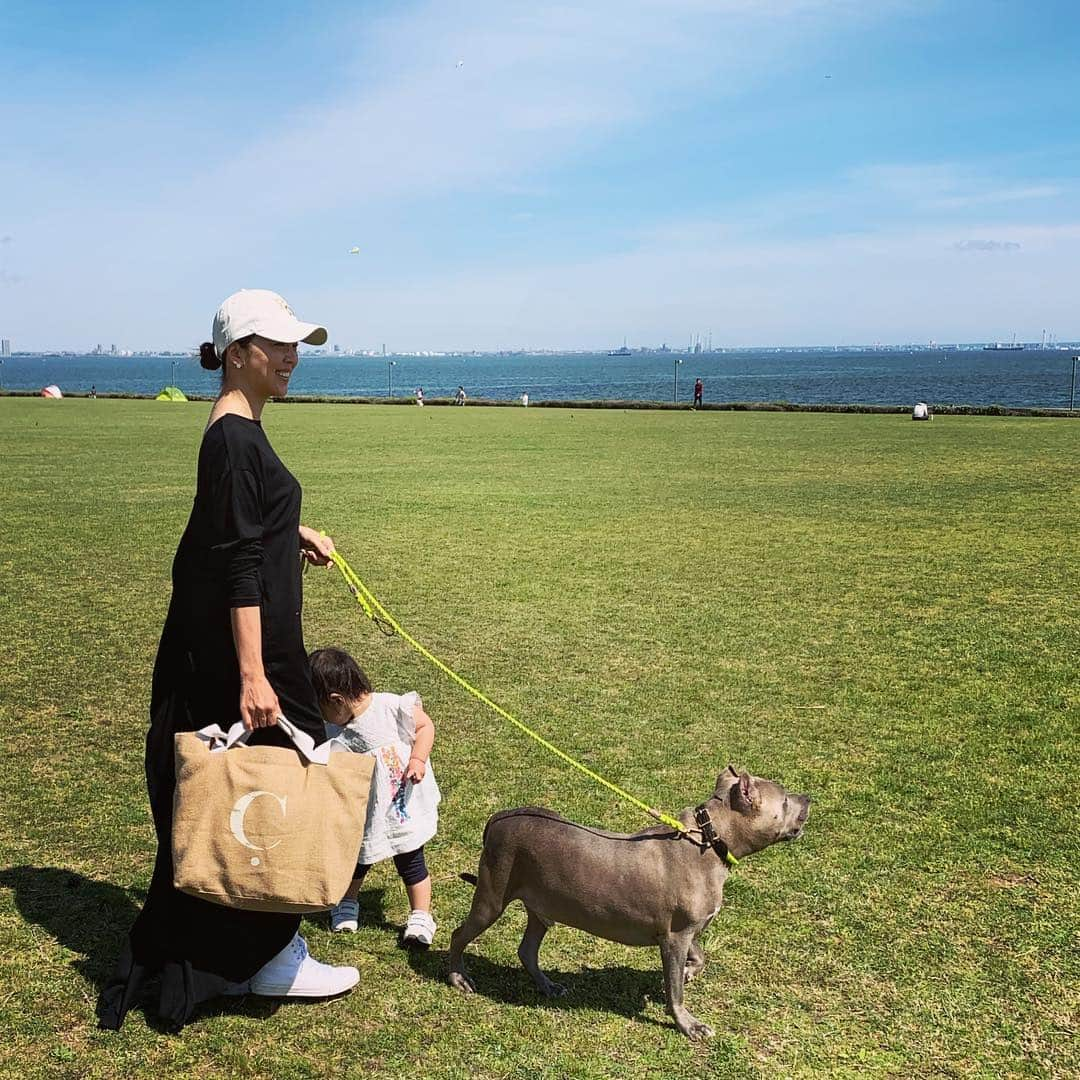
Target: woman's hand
{"points": [[259, 706], [415, 770], [315, 547]]}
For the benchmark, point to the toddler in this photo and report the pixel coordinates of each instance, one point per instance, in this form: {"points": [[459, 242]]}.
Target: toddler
{"points": [[401, 813]]}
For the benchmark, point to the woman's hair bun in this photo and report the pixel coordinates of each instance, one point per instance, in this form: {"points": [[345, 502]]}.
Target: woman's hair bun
{"points": [[207, 357]]}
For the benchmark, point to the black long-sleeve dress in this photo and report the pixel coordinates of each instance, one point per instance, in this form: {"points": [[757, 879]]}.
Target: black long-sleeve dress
{"points": [[241, 548]]}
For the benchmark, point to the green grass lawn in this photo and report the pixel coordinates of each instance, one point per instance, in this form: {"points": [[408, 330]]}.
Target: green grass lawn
{"points": [[878, 612]]}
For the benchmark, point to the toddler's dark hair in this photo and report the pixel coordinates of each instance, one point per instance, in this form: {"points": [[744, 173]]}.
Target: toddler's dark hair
{"points": [[334, 671]]}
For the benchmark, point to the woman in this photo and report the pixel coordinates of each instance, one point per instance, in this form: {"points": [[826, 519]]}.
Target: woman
{"points": [[232, 649]]}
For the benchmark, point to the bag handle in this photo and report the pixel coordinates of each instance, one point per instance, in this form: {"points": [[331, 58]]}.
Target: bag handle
{"points": [[218, 739]]}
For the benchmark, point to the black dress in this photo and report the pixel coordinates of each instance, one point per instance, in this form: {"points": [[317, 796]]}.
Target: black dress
{"points": [[241, 548]]}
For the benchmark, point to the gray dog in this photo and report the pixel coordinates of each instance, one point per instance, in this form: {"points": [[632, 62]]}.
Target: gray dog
{"points": [[648, 888]]}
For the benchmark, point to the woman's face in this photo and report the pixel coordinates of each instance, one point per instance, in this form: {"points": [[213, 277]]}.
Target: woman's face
{"points": [[267, 366]]}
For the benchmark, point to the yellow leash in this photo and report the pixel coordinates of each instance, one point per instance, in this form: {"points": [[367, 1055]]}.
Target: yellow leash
{"points": [[388, 624]]}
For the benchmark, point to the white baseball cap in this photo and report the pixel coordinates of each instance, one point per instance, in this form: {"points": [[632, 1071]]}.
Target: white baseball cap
{"points": [[262, 312]]}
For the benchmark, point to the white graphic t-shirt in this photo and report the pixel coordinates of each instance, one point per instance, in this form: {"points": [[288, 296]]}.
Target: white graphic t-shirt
{"points": [[400, 816]]}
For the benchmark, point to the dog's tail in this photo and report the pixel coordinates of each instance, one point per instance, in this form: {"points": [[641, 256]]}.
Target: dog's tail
{"points": [[472, 879]]}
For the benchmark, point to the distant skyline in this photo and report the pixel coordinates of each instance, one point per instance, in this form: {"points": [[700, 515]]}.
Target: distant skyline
{"points": [[1050, 344], [777, 172]]}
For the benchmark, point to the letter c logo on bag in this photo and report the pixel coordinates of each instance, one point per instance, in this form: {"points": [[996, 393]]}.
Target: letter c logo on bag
{"points": [[236, 820]]}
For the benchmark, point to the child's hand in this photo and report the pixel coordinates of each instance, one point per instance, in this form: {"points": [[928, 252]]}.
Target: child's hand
{"points": [[415, 770]]}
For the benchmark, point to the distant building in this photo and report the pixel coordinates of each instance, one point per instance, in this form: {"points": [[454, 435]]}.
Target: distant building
{"points": [[5, 346], [337, 348], [112, 350]]}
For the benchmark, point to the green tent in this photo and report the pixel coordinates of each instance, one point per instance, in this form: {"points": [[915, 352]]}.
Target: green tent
{"points": [[171, 393]]}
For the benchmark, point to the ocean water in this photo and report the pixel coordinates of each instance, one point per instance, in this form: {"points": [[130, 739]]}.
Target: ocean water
{"points": [[1033, 378]]}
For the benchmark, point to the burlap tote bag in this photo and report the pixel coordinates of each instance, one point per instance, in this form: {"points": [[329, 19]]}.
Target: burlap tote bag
{"points": [[263, 827]]}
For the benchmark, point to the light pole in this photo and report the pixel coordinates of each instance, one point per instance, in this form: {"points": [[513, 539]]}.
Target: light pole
{"points": [[676, 397], [390, 377], [172, 381], [1072, 391]]}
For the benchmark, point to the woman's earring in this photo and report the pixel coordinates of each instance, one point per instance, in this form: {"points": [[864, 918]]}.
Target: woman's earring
{"points": [[237, 364]]}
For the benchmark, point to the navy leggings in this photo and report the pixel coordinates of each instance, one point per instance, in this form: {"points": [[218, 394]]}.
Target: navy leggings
{"points": [[410, 866]]}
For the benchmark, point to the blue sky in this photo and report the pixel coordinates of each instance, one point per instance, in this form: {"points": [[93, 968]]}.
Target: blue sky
{"points": [[542, 174]]}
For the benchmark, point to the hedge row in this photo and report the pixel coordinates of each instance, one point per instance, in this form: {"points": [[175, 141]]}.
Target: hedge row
{"points": [[718, 406]]}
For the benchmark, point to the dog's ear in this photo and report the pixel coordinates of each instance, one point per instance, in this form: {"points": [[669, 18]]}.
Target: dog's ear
{"points": [[744, 794], [723, 781]]}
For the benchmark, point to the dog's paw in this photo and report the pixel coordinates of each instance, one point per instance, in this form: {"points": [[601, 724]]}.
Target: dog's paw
{"points": [[691, 973], [552, 989], [695, 1030], [462, 982]]}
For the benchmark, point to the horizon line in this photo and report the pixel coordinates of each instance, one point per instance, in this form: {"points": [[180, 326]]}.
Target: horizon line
{"points": [[370, 354]]}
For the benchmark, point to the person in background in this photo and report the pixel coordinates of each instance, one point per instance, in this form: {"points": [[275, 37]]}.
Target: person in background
{"points": [[525, 400], [461, 395], [93, 391], [419, 395], [698, 391]]}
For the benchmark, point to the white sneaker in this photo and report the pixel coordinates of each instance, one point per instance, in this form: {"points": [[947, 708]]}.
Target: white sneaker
{"points": [[420, 929], [345, 917], [293, 973]]}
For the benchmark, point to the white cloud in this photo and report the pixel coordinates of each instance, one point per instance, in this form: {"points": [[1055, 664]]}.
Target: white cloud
{"points": [[893, 285], [998, 195], [909, 181], [948, 185], [538, 83], [987, 245], [541, 85], [164, 215]]}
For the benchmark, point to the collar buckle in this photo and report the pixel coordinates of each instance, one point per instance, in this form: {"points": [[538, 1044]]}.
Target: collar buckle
{"points": [[709, 835]]}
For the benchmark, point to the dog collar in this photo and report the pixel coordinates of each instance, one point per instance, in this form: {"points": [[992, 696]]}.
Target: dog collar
{"points": [[709, 835]]}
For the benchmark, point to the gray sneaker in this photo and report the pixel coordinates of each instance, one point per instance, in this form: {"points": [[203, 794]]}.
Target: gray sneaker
{"points": [[345, 917]]}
